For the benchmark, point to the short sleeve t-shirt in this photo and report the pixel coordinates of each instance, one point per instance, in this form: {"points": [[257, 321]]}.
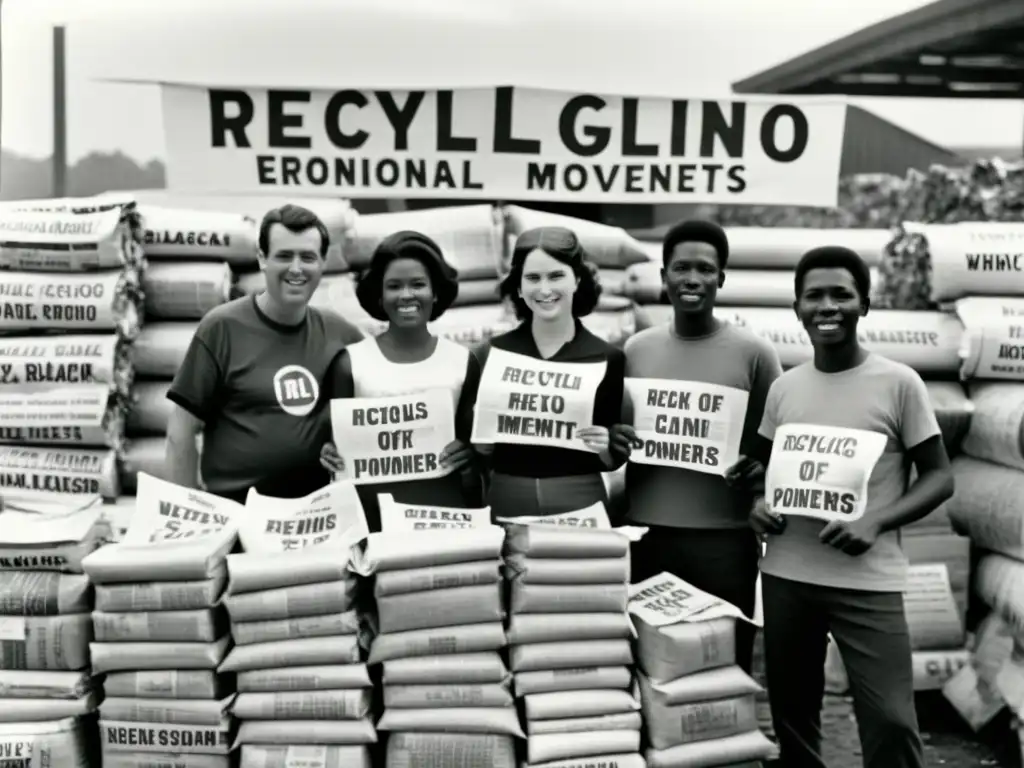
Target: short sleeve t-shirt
{"points": [[256, 385], [881, 396], [730, 357]]}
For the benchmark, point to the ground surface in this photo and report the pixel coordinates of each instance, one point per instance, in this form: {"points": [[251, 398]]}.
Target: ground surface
{"points": [[948, 742]]}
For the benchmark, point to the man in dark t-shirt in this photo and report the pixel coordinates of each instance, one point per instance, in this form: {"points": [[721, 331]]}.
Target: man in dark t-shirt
{"points": [[252, 377]]}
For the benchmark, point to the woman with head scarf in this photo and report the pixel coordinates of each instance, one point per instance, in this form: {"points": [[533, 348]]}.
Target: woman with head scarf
{"points": [[407, 284], [551, 287]]}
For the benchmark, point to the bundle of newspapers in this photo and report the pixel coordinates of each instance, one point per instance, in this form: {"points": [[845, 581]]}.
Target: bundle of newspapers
{"points": [[160, 633], [46, 687], [70, 302], [439, 628], [699, 707], [304, 691], [570, 635]]}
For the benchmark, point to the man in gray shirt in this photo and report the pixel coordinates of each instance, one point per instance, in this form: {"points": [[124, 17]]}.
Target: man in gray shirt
{"points": [[699, 522], [843, 570]]}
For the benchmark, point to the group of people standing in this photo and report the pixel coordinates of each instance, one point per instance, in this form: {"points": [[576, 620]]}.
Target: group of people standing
{"points": [[716, 532]]}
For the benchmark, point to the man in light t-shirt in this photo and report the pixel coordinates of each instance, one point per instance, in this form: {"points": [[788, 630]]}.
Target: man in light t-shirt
{"points": [[846, 577]]}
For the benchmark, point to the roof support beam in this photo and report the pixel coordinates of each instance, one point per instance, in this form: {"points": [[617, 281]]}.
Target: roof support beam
{"points": [[943, 74], [940, 28], [917, 91]]}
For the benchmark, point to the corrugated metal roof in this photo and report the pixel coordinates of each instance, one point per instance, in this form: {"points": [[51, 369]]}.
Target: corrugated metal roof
{"points": [[914, 54], [874, 145]]}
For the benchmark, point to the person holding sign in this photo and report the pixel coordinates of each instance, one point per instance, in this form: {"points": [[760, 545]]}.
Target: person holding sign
{"points": [[550, 389], [407, 284], [250, 381], [695, 393], [839, 437]]}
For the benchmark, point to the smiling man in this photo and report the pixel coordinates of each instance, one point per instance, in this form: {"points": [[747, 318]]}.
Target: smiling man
{"points": [[251, 378], [699, 529], [844, 576]]}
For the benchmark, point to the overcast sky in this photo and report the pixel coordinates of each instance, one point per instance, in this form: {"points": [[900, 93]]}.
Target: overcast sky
{"points": [[710, 44]]}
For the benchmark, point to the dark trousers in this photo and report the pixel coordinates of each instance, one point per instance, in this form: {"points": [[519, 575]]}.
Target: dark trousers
{"points": [[870, 629], [722, 562], [513, 496]]}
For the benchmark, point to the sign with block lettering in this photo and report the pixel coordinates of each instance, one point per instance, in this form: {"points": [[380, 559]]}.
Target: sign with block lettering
{"points": [[822, 472], [687, 424]]}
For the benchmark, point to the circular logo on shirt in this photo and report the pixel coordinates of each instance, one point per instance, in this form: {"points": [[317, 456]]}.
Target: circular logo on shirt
{"points": [[296, 390]]}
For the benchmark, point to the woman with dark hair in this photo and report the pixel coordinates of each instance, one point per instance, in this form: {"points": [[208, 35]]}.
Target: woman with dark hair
{"points": [[551, 287], [407, 284]]}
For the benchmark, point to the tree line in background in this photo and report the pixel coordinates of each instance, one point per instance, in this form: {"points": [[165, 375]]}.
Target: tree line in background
{"points": [[24, 177]]}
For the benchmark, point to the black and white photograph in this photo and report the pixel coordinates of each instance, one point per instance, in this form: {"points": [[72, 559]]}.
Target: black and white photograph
{"points": [[511, 384]]}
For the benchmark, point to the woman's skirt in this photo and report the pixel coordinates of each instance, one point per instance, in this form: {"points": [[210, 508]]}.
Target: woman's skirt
{"points": [[459, 489], [512, 496]]}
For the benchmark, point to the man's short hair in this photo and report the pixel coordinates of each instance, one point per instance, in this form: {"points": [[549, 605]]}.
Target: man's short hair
{"points": [[296, 219], [834, 257], [696, 231]]}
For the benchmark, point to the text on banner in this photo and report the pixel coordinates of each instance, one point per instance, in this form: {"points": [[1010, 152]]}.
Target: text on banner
{"points": [[503, 143]]}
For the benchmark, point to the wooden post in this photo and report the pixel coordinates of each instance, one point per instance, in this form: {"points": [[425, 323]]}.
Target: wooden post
{"points": [[1, 92], [59, 159]]}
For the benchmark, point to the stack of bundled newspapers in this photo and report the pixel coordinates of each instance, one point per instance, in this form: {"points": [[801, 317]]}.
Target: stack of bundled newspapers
{"points": [[304, 690], [160, 633], [439, 624], [699, 706], [45, 605], [570, 636]]}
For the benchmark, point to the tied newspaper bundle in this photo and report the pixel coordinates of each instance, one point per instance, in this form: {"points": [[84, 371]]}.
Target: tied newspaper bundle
{"points": [[45, 625], [699, 706], [440, 613], [569, 636], [71, 266], [160, 632], [304, 692]]}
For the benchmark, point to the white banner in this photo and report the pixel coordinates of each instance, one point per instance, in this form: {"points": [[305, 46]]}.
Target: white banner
{"points": [[391, 439], [526, 401], [687, 424], [822, 472], [399, 517], [666, 599], [330, 517], [503, 143]]}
